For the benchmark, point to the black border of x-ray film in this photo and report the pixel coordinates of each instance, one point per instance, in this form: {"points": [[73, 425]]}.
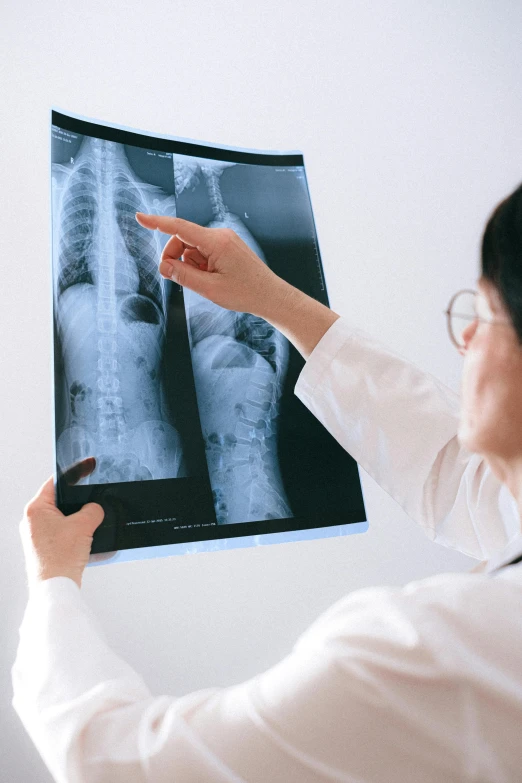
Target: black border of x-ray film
{"points": [[327, 490], [121, 136]]}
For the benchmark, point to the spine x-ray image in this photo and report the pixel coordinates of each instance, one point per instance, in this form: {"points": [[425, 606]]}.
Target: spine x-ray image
{"points": [[187, 407], [110, 313], [240, 363]]}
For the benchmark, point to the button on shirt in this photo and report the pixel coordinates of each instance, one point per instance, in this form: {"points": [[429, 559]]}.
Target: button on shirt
{"points": [[420, 683]]}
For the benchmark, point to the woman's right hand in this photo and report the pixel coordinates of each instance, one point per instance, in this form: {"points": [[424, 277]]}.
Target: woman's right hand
{"points": [[215, 263]]}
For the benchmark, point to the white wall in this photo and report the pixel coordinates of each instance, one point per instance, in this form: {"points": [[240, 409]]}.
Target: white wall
{"points": [[409, 115]]}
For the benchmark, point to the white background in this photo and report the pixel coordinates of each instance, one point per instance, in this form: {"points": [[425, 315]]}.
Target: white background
{"points": [[409, 115]]}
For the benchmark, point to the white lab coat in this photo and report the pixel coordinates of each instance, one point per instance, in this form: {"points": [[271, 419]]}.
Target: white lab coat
{"points": [[421, 683]]}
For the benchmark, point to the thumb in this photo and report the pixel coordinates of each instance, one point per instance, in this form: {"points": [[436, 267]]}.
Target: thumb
{"points": [[91, 515]]}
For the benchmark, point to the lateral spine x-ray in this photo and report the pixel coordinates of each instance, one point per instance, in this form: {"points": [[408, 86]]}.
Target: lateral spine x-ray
{"points": [[240, 362]]}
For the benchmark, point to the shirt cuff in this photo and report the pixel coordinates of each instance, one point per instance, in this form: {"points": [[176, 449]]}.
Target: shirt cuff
{"points": [[48, 589], [315, 369]]}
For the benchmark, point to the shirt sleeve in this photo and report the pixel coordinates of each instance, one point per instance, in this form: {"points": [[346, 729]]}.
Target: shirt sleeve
{"points": [[387, 681], [400, 425]]}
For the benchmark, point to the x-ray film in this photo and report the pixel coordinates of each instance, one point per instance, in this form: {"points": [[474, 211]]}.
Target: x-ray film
{"points": [[188, 408]]}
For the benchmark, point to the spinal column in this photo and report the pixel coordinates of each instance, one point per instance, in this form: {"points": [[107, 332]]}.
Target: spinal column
{"points": [[240, 362], [111, 320]]}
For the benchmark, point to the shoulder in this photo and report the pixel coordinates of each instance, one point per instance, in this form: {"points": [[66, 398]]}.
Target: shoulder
{"points": [[441, 621], [421, 668]]}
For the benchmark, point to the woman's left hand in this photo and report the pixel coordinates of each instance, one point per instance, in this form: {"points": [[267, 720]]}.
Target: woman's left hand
{"points": [[55, 544]]}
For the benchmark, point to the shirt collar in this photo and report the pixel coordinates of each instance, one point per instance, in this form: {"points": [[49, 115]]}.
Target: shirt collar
{"points": [[509, 553]]}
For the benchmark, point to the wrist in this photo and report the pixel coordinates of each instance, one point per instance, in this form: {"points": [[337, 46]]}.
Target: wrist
{"points": [[44, 576], [302, 319], [276, 300]]}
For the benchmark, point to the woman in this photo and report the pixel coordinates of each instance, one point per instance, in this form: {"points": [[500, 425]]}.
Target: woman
{"points": [[421, 683]]}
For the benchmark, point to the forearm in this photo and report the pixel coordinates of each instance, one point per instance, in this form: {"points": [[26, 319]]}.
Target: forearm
{"points": [[300, 318], [65, 674]]}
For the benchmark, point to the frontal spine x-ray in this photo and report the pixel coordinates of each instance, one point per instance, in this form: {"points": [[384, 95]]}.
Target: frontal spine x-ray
{"points": [[239, 362], [110, 315]]}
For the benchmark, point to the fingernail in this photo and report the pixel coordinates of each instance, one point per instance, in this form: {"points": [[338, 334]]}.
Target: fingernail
{"points": [[167, 269]]}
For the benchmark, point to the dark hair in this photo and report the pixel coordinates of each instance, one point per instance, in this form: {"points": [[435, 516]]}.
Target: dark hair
{"points": [[502, 255]]}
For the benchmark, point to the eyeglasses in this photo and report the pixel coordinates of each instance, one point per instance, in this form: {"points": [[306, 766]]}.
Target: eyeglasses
{"points": [[462, 310]]}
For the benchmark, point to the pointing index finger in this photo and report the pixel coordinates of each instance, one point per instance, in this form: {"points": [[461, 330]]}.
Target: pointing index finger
{"points": [[189, 233]]}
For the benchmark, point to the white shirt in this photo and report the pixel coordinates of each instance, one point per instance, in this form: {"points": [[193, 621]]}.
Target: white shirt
{"points": [[421, 683]]}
